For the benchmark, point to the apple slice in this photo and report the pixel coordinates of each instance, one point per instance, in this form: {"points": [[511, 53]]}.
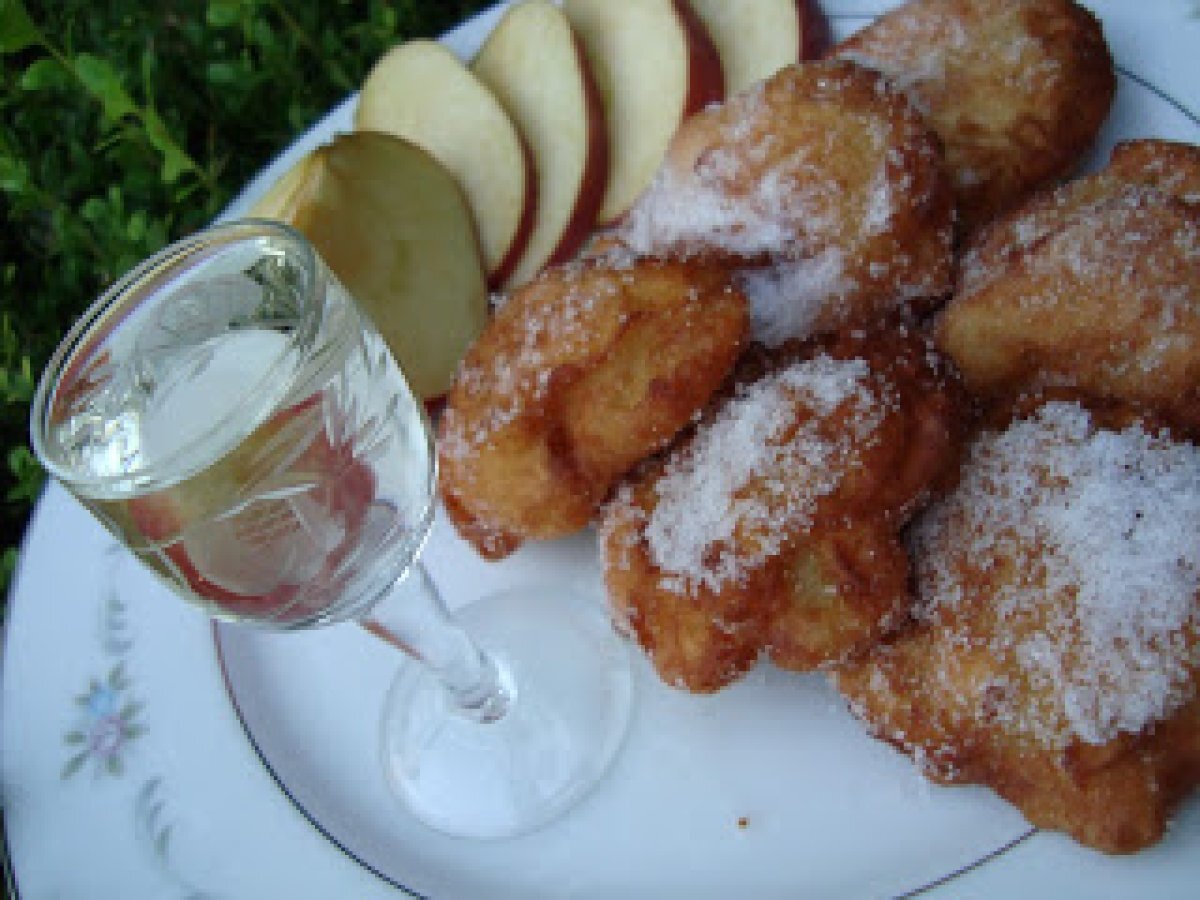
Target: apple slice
{"points": [[395, 228], [422, 92], [536, 67], [756, 40], [655, 65]]}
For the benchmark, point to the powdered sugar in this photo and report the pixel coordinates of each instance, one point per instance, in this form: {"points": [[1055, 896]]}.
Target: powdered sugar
{"points": [[1100, 613], [689, 214], [755, 471], [749, 180], [787, 299]]}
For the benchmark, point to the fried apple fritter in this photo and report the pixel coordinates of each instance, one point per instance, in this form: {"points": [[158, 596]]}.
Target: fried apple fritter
{"points": [[1094, 286], [1170, 166], [773, 528], [579, 376], [1054, 653], [1017, 91], [822, 186]]}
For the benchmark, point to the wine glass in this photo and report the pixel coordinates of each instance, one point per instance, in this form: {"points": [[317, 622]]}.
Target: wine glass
{"points": [[228, 412]]}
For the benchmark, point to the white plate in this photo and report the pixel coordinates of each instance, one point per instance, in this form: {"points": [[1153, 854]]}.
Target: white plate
{"points": [[245, 766]]}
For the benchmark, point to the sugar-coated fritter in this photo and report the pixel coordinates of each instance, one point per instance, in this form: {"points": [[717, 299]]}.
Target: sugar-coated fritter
{"points": [[1017, 91], [822, 186], [1055, 649], [1093, 286], [1172, 167], [580, 375], [773, 528]]}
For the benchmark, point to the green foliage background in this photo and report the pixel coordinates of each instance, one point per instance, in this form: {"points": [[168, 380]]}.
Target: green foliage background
{"points": [[125, 125]]}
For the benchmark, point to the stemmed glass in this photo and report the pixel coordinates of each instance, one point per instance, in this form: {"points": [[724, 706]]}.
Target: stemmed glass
{"points": [[232, 417]]}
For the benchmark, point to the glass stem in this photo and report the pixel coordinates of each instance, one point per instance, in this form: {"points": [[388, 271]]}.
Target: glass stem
{"points": [[412, 616]]}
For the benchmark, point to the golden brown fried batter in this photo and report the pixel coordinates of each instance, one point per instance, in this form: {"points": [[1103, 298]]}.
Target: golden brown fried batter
{"points": [[1055, 648], [1016, 91], [823, 185], [579, 376], [1171, 166], [844, 587], [1094, 286], [773, 527]]}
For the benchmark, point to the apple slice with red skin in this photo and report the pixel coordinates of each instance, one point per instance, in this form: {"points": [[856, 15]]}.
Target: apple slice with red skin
{"points": [[655, 65], [422, 92], [755, 40], [207, 546], [535, 65]]}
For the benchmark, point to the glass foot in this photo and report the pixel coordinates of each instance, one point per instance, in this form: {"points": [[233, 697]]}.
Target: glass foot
{"points": [[569, 679]]}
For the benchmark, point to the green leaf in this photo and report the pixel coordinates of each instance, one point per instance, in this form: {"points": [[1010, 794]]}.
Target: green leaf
{"points": [[43, 73], [103, 82], [223, 13], [93, 209], [17, 30], [8, 563], [14, 175], [135, 228], [221, 73], [27, 475], [262, 34], [174, 160]]}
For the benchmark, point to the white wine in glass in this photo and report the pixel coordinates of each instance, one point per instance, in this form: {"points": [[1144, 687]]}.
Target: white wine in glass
{"points": [[229, 413]]}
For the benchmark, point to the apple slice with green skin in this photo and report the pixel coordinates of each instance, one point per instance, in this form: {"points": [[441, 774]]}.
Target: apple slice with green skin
{"points": [[535, 65], [261, 533], [655, 65], [394, 227], [422, 92], [755, 40]]}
